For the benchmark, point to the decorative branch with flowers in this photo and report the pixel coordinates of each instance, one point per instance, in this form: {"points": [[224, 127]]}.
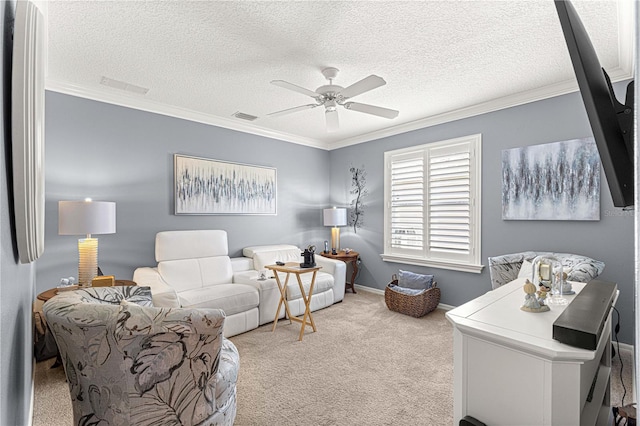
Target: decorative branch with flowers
{"points": [[358, 182]]}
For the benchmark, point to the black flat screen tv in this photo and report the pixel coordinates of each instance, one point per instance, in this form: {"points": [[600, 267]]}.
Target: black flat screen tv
{"points": [[611, 122]]}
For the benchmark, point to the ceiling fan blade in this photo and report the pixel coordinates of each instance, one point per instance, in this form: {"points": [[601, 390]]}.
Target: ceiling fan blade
{"points": [[332, 120], [372, 109], [290, 110], [364, 85], [295, 88]]}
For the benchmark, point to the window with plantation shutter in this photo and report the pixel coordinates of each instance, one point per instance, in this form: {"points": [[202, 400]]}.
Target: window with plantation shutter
{"points": [[432, 204], [407, 206]]}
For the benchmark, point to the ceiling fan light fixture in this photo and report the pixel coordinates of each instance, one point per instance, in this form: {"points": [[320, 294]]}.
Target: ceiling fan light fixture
{"points": [[331, 95], [333, 124], [330, 73]]}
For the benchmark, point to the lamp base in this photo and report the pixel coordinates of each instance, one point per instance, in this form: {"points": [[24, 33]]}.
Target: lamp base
{"points": [[335, 239], [87, 261]]}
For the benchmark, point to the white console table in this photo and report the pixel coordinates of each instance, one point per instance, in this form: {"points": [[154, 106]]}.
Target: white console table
{"points": [[509, 370]]}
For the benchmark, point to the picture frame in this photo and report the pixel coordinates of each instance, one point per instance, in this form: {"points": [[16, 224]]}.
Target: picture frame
{"points": [[204, 186], [552, 181]]}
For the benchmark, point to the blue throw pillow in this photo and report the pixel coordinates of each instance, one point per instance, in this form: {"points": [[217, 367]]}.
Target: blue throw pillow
{"points": [[409, 279]]}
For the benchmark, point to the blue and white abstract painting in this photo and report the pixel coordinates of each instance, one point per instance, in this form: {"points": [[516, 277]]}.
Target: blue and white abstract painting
{"points": [[554, 181], [204, 186]]}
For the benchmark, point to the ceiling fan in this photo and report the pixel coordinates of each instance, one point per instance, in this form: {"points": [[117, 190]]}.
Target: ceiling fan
{"points": [[331, 95]]}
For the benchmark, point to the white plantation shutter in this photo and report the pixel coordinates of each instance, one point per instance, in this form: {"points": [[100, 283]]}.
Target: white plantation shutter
{"points": [[449, 202], [407, 202], [432, 214]]}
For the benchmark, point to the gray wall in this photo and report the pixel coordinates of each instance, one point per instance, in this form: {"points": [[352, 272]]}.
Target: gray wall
{"points": [[123, 155], [552, 120], [16, 280], [111, 153]]}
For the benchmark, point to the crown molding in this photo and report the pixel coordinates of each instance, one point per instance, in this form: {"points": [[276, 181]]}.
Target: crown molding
{"points": [[139, 103], [563, 88], [624, 71]]}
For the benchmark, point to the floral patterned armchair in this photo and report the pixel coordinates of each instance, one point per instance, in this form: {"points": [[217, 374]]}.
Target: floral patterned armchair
{"points": [[506, 268], [129, 363]]}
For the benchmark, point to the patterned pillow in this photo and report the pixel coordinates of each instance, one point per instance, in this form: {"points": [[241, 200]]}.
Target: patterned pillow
{"points": [[526, 269]]}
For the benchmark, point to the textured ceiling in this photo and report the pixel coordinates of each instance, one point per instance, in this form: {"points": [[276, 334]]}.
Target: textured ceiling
{"points": [[206, 60]]}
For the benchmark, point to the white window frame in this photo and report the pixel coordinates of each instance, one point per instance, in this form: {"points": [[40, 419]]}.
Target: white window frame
{"points": [[425, 256]]}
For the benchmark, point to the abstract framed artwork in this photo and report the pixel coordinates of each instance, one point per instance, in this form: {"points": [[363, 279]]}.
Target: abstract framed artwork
{"points": [[204, 186], [554, 181]]}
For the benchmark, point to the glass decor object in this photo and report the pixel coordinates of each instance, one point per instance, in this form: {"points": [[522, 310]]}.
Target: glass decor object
{"points": [[547, 271], [557, 274]]}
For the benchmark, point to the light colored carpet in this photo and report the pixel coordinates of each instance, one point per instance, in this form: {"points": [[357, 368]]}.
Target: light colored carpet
{"points": [[366, 365]]}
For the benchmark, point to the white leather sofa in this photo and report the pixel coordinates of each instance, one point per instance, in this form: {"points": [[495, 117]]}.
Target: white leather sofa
{"points": [[195, 271]]}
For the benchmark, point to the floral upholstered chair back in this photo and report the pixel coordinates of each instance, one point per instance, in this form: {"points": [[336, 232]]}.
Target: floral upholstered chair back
{"points": [[508, 267], [128, 363]]}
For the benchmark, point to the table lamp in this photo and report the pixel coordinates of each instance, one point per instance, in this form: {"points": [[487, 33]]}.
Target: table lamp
{"points": [[335, 217], [85, 218]]}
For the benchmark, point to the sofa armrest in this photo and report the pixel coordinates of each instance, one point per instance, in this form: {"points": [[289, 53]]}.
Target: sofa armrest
{"points": [[241, 264], [338, 269], [163, 294]]}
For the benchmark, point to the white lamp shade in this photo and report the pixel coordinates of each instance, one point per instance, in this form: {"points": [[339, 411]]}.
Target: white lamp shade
{"points": [[335, 217], [86, 217]]}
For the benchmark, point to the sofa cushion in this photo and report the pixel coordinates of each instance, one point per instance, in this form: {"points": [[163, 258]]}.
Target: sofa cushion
{"points": [[231, 298], [252, 250], [188, 274], [216, 270], [323, 283], [176, 245], [263, 258]]}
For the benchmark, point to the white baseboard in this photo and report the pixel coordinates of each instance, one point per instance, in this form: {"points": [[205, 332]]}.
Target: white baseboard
{"points": [[369, 289], [33, 392]]}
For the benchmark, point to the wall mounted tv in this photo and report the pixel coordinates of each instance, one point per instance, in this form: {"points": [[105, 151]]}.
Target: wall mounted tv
{"points": [[611, 122]]}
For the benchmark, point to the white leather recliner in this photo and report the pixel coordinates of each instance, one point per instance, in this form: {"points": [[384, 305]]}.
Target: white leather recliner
{"points": [[194, 271], [328, 288]]}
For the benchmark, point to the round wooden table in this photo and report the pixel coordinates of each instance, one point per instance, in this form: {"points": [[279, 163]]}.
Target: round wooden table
{"points": [[348, 258], [48, 294]]}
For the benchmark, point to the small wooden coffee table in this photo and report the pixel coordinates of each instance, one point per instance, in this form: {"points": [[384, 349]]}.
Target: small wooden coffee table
{"points": [[294, 268]]}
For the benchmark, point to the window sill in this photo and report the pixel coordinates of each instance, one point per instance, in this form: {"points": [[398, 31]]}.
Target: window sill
{"points": [[418, 261]]}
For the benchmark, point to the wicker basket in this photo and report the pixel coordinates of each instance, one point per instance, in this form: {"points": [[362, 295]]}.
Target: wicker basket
{"points": [[415, 306]]}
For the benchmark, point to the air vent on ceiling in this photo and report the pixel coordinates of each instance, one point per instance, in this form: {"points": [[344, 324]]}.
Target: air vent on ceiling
{"points": [[106, 81], [244, 116]]}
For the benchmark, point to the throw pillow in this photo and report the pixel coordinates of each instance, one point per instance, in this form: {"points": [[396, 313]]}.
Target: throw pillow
{"points": [[526, 269], [409, 279], [408, 291]]}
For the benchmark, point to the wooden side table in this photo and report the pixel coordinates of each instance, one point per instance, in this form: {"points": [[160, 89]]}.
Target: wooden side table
{"points": [[348, 258], [295, 269]]}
